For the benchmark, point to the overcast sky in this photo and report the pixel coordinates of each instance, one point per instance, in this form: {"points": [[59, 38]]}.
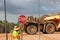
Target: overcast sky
{"points": [[27, 7]]}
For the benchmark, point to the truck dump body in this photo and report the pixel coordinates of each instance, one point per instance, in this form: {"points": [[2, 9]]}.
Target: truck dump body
{"points": [[55, 19], [52, 17]]}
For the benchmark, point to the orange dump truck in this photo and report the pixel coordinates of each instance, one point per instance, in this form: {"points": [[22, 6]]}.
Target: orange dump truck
{"points": [[32, 24]]}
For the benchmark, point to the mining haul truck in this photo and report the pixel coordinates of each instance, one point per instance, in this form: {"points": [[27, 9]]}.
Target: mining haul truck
{"points": [[31, 25]]}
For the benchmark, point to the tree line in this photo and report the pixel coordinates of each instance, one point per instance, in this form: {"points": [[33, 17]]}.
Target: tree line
{"points": [[9, 26]]}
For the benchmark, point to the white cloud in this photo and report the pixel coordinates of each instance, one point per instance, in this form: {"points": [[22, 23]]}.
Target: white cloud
{"points": [[10, 18], [1, 15]]}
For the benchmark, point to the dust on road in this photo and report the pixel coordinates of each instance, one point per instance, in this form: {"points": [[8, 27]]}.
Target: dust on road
{"points": [[55, 36]]}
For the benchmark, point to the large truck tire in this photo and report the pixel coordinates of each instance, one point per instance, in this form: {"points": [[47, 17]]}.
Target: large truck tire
{"points": [[31, 29], [50, 28]]}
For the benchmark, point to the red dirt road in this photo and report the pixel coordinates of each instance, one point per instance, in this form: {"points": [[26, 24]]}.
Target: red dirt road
{"points": [[54, 36]]}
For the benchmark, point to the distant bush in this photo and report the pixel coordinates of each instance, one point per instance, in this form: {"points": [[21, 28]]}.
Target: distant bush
{"points": [[10, 26]]}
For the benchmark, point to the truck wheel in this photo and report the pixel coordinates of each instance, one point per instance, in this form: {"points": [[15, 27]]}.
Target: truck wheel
{"points": [[31, 29], [50, 28]]}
